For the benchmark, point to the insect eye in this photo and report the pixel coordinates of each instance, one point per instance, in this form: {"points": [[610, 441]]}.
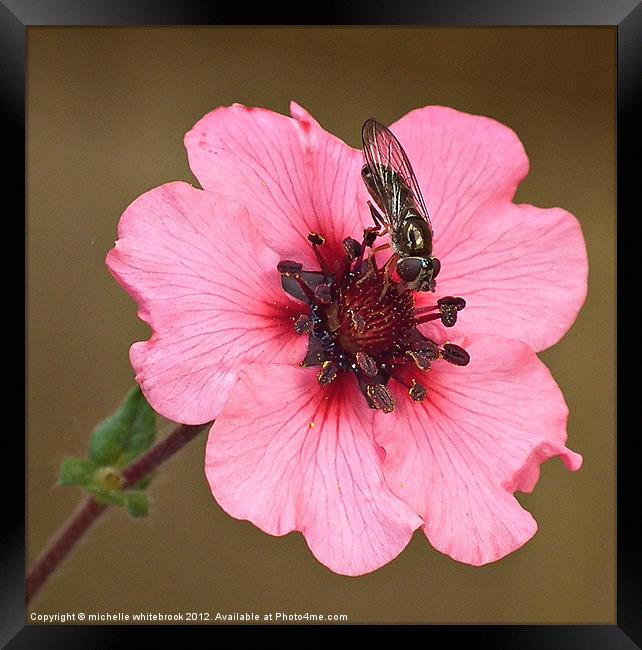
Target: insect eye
{"points": [[409, 268], [436, 267]]}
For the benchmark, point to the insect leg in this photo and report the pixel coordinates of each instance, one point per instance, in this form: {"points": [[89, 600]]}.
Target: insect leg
{"points": [[370, 235], [378, 220], [387, 270], [372, 267]]}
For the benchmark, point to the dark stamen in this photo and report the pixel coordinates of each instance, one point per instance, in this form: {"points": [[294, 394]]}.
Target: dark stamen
{"points": [[448, 308], [417, 392], [455, 303], [423, 310], [323, 294], [455, 355], [367, 364], [288, 267], [352, 248], [428, 318], [381, 398], [328, 372], [358, 323], [370, 236], [428, 347], [316, 239], [303, 324], [309, 294], [362, 320], [448, 317], [422, 358]]}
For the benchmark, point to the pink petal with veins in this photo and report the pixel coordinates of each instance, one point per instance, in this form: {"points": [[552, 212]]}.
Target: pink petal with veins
{"points": [[523, 270], [523, 275], [480, 434], [293, 176], [207, 285], [286, 457]]}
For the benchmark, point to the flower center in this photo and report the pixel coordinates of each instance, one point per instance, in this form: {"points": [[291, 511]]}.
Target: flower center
{"points": [[363, 321], [368, 318]]}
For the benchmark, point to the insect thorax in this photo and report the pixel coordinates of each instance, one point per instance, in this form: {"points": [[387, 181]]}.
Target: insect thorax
{"points": [[414, 237]]}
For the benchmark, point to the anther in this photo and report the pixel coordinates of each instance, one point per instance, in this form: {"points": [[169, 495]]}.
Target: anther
{"points": [[422, 358], [358, 322], [417, 392], [456, 303], [381, 398], [448, 308], [316, 239], [288, 267], [369, 236], [323, 294], [352, 248], [425, 346], [303, 324], [328, 372], [455, 355], [366, 364]]}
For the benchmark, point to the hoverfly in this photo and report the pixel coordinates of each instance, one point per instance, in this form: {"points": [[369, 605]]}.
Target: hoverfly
{"points": [[393, 186]]}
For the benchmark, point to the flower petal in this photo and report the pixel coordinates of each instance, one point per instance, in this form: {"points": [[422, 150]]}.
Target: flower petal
{"points": [[462, 162], [286, 457], [522, 270], [208, 286], [481, 434], [293, 176], [524, 275]]}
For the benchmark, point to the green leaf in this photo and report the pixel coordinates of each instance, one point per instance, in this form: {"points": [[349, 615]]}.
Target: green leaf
{"points": [[136, 503], [76, 471], [113, 444], [123, 436]]}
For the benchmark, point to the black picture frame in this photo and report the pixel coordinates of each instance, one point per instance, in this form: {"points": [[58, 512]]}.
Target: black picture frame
{"points": [[624, 15]]}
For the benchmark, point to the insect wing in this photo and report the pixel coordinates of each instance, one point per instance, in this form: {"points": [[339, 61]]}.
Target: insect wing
{"points": [[392, 177]]}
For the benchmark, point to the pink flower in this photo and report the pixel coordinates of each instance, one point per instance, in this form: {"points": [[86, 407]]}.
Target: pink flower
{"points": [[335, 450]]}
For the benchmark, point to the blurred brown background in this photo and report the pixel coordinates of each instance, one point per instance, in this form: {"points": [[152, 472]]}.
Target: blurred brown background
{"points": [[107, 111]]}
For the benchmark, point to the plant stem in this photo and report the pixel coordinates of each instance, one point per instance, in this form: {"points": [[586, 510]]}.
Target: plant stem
{"points": [[90, 510]]}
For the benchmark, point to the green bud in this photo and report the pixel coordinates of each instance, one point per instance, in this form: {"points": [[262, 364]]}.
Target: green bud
{"points": [[123, 436], [113, 444], [107, 479]]}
